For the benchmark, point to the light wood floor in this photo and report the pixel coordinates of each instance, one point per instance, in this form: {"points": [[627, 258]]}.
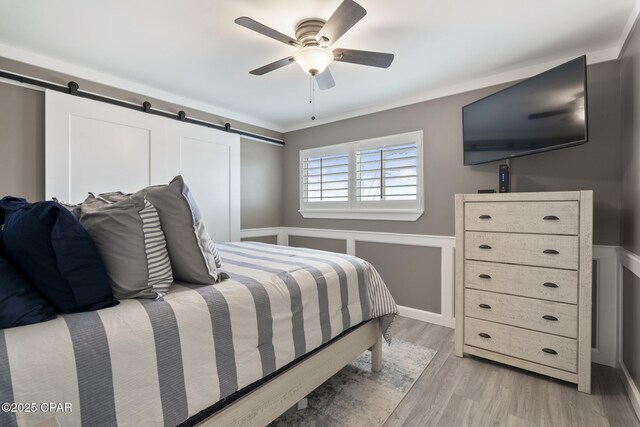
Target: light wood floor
{"points": [[470, 391]]}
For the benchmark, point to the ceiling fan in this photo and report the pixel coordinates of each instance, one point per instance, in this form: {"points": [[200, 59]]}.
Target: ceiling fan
{"points": [[313, 38]]}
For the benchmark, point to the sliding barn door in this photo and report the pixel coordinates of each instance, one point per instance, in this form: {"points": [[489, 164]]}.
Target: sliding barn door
{"points": [[209, 161], [96, 147]]}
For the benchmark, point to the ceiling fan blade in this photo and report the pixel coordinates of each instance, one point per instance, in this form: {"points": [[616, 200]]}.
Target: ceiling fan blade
{"points": [[325, 80], [273, 66], [363, 57], [345, 17], [267, 31]]}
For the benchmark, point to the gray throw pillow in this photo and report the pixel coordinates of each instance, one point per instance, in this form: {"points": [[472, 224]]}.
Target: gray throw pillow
{"points": [[74, 209], [194, 257], [132, 245]]}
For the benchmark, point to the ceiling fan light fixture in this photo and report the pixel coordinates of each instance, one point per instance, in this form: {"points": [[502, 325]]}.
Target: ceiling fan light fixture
{"points": [[313, 59]]}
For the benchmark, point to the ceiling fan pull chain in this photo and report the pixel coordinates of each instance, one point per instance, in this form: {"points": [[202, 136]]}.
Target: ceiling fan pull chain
{"points": [[312, 90]]}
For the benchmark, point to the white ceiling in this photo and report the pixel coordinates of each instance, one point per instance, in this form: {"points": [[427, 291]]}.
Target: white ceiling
{"points": [[192, 52]]}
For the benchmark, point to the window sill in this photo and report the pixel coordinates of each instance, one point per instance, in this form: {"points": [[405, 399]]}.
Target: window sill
{"points": [[369, 214]]}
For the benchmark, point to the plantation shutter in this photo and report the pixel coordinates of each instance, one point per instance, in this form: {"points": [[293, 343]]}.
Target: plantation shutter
{"points": [[326, 178], [387, 173]]}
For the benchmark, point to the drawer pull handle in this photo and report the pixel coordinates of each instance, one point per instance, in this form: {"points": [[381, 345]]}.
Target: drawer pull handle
{"points": [[485, 217], [484, 276], [548, 317], [483, 335], [551, 218], [484, 247], [550, 252], [485, 306], [549, 285], [549, 351]]}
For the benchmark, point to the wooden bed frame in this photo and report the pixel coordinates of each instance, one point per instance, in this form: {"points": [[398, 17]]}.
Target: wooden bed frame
{"points": [[273, 398]]}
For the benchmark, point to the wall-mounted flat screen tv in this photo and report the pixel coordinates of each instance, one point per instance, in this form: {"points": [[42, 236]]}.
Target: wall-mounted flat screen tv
{"points": [[545, 112]]}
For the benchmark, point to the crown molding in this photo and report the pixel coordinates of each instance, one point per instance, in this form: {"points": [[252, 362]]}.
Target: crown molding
{"points": [[593, 57], [628, 28], [60, 66]]}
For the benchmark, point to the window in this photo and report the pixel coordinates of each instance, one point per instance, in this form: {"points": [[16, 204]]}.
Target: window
{"points": [[377, 178], [387, 173], [326, 178]]}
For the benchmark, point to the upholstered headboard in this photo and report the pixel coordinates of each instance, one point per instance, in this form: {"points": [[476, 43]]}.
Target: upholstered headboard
{"points": [[96, 147]]}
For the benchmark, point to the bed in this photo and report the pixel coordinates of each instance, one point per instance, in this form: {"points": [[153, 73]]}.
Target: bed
{"points": [[285, 320]]}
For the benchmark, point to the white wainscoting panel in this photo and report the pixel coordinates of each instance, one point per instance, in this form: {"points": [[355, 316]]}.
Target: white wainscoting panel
{"points": [[605, 349], [631, 262], [445, 243], [632, 389], [97, 147]]}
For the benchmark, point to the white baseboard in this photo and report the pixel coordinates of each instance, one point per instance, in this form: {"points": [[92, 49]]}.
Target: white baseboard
{"points": [[632, 389], [426, 316]]}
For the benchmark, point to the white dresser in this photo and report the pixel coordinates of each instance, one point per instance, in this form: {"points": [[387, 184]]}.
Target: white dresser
{"points": [[523, 281]]}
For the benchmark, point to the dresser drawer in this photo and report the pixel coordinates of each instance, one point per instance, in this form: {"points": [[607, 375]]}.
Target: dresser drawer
{"points": [[535, 282], [539, 315], [528, 249], [538, 347], [523, 217]]}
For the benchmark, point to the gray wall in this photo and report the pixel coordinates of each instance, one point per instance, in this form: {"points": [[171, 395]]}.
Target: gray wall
{"points": [[260, 184], [630, 88], [630, 238], [595, 165], [418, 268], [270, 174], [273, 240], [21, 142], [22, 146], [331, 245]]}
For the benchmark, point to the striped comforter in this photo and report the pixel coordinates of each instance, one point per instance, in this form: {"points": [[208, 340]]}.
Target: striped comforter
{"points": [[147, 362]]}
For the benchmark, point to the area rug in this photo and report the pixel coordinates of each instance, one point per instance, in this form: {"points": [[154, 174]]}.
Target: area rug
{"points": [[355, 396]]}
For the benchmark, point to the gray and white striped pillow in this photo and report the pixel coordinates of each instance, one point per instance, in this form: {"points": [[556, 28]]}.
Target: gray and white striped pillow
{"points": [[155, 248], [132, 245]]}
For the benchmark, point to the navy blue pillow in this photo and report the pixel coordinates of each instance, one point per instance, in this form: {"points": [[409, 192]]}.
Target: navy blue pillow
{"points": [[20, 303], [47, 244]]}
